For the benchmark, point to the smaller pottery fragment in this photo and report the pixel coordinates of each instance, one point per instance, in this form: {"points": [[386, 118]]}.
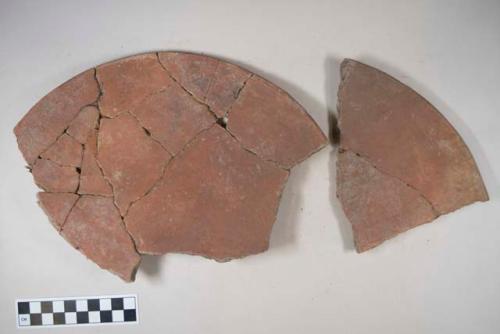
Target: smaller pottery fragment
{"points": [[401, 163]]}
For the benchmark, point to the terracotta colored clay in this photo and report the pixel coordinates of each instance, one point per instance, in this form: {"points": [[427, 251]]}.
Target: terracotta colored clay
{"points": [[215, 82], [48, 119], [94, 226], [268, 122], [131, 161], [84, 123], [127, 82], [225, 88], [216, 200], [193, 72], [135, 156], [57, 206], [173, 117], [92, 180], [66, 151], [401, 164], [378, 205], [53, 177]]}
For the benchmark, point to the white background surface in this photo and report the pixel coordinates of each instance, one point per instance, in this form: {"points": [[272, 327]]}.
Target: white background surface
{"points": [[443, 277]]}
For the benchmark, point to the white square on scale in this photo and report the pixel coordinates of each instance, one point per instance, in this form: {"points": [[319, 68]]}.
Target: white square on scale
{"points": [[105, 304], [35, 307], [94, 317], [58, 306], [117, 316], [128, 303], [70, 318], [47, 319], [81, 305], [24, 320]]}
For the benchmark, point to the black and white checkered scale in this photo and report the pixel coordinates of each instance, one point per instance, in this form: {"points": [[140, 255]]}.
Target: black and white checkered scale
{"points": [[77, 311]]}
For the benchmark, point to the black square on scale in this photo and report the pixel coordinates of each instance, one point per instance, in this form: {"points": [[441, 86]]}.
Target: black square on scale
{"points": [[59, 318], [23, 307], [106, 316], [117, 303], [93, 304], [46, 307], [82, 317], [129, 315], [70, 306], [36, 319]]}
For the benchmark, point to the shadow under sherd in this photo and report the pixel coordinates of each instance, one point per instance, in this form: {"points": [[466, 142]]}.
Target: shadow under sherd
{"points": [[151, 265]]}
